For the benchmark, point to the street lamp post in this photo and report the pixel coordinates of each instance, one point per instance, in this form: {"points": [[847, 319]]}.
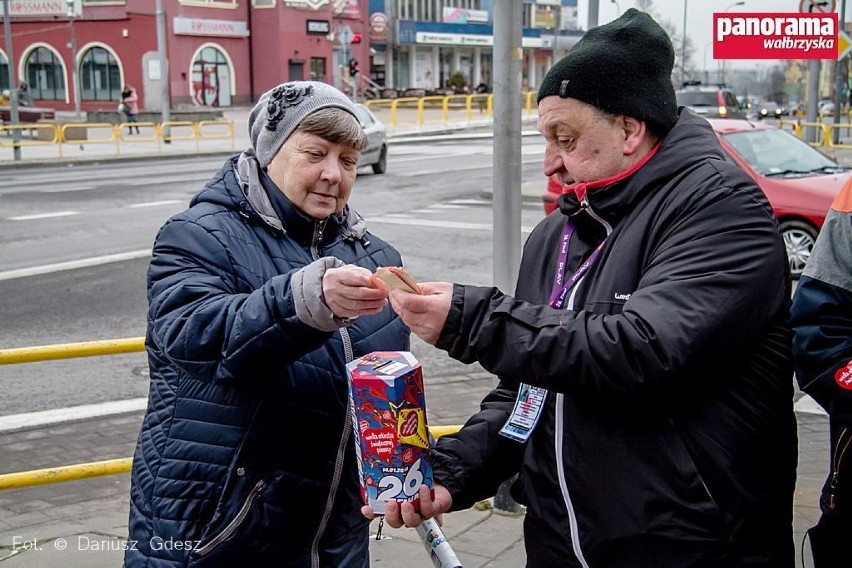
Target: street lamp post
{"points": [[617, 8], [74, 77], [683, 46], [734, 5], [706, 71], [13, 90]]}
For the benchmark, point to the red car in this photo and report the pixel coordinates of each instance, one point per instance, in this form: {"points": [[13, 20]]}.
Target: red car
{"points": [[799, 180]]}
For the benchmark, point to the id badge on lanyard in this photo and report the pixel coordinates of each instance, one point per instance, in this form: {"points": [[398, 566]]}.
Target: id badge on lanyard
{"points": [[530, 402]]}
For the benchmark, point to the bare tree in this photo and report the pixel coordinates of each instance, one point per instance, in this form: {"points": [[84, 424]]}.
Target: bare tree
{"points": [[685, 51]]}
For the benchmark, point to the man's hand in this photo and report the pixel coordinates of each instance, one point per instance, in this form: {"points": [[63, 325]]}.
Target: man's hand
{"points": [[349, 292], [424, 313], [399, 514]]}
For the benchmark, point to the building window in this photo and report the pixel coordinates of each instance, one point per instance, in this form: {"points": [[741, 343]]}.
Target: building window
{"points": [[100, 76], [210, 3], [263, 3], [4, 73], [211, 78], [44, 75], [318, 69]]}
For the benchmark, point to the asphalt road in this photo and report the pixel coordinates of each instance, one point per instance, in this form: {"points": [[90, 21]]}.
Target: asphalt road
{"points": [[429, 204]]}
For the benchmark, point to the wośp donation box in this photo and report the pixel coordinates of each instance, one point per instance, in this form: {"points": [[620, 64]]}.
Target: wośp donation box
{"points": [[389, 418]]}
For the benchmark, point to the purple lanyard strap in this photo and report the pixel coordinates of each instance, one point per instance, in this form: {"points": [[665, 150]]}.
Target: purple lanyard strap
{"points": [[561, 287]]}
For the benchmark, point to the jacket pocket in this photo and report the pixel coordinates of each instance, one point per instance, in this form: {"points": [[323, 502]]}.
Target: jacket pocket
{"points": [[234, 524]]}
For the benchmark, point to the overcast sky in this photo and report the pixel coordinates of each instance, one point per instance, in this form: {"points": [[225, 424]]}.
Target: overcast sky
{"points": [[699, 20]]}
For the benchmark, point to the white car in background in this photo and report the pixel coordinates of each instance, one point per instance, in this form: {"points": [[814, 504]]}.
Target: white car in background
{"points": [[376, 154]]}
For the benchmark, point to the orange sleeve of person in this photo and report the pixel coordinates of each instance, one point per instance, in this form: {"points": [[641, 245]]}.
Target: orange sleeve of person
{"points": [[843, 201]]}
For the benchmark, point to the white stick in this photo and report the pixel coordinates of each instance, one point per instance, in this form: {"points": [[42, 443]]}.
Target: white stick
{"points": [[437, 546]]}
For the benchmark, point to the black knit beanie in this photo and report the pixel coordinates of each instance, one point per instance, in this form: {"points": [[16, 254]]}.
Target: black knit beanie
{"points": [[623, 67]]}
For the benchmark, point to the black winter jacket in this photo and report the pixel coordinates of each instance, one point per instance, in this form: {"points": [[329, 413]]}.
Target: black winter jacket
{"points": [[822, 322], [246, 455], [668, 437]]}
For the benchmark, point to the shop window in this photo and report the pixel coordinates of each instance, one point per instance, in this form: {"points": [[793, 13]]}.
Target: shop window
{"points": [[100, 76], [318, 69], [44, 75], [210, 3], [211, 78], [4, 73]]}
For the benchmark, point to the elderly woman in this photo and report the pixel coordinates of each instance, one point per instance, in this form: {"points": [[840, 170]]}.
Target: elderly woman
{"points": [[246, 456]]}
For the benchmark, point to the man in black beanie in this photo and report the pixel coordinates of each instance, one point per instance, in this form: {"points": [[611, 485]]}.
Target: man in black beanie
{"points": [[645, 395]]}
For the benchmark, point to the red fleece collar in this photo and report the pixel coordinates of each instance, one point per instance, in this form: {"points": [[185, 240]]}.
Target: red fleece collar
{"points": [[580, 189]]}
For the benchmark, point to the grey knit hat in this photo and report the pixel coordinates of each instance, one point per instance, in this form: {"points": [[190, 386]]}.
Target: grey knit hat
{"points": [[280, 110]]}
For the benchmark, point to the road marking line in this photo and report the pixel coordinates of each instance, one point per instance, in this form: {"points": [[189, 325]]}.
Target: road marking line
{"points": [[155, 203], [44, 216], [69, 188], [72, 264], [71, 413], [438, 224]]}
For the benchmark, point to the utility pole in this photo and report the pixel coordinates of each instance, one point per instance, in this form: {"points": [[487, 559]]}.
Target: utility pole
{"points": [[683, 46], [813, 95], [13, 85], [838, 78], [165, 101], [75, 77], [594, 8], [508, 56]]}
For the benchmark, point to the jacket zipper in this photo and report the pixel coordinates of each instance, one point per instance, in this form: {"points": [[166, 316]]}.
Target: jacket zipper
{"points": [[235, 523], [839, 453], [317, 240], [347, 426], [587, 206], [558, 430], [563, 484]]}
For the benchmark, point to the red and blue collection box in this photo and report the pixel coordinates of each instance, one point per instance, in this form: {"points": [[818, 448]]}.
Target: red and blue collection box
{"points": [[389, 416]]}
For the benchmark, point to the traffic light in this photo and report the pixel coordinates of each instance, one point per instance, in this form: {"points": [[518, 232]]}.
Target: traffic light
{"points": [[353, 67], [356, 38]]}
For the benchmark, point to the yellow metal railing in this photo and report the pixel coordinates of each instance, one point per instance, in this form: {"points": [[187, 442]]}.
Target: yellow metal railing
{"points": [[441, 108], [43, 134], [22, 479]]}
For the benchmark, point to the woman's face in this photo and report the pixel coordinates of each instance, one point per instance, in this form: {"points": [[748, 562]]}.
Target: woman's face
{"points": [[316, 175]]}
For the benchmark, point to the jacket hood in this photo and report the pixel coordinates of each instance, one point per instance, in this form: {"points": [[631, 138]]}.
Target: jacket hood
{"points": [[238, 187], [689, 143]]}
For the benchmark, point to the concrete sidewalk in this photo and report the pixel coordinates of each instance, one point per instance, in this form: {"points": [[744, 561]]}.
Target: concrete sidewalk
{"points": [[84, 523]]}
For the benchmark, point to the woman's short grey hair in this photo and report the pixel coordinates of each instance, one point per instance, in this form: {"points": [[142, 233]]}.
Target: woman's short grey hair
{"points": [[335, 125]]}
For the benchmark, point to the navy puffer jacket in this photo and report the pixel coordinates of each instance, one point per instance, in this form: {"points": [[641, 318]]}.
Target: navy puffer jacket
{"points": [[246, 454]]}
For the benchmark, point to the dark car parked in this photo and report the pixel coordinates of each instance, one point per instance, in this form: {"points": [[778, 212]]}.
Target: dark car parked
{"points": [[710, 102]]}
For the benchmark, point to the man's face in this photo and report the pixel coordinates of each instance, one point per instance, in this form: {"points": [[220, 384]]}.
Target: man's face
{"points": [[583, 144], [316, 175]]}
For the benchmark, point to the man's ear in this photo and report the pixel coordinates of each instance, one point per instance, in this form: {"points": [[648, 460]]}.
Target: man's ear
{"points": [[635, 134]]}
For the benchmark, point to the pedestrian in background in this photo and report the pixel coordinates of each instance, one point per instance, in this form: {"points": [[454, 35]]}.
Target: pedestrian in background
{"points": [[24, 98], [258, 295], [482, 89], [822, 322], [645, 365], [130, 108]]}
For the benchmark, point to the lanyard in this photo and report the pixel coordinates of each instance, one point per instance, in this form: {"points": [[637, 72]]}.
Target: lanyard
{"points": [[530, 401], [561, 287]]}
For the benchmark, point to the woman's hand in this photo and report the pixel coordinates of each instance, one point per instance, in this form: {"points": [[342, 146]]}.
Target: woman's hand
{"points": [[399, 514], [349, 292]]}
